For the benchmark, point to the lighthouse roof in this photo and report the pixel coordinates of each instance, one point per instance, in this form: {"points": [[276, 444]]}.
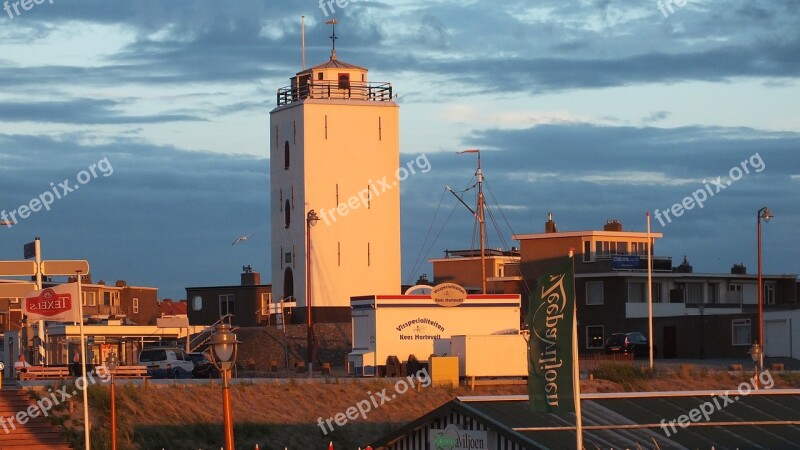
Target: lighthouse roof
{"points": [[334, 63]]}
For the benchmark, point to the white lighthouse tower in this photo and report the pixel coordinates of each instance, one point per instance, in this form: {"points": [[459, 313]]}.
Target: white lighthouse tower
{"points": [[335, 198]]}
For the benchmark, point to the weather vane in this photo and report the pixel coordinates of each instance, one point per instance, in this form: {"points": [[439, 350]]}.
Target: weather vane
{"points": [[333, 23]]}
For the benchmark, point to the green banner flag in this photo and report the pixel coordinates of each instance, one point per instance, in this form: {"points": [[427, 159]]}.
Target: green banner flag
{"points": [[551, 311]]}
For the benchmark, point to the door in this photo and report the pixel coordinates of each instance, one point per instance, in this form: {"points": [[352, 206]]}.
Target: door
{"points": [[776, 339], [670, 342]]}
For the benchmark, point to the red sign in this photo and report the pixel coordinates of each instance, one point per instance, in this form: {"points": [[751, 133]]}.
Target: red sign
{"points": [[49, 303]]}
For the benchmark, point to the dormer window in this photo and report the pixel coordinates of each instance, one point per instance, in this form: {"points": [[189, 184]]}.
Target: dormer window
{"points": [[320, 76]]}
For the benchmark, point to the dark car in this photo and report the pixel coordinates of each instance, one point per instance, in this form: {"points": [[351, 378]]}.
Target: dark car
{"points": [[630, 343], [203, 368]]}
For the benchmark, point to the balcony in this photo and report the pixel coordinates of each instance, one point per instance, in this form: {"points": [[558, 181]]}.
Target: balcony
{"points": [[640, 310], [604, 262], [332, 90]]}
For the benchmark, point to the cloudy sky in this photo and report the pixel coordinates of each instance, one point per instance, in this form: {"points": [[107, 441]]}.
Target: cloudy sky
{"points": [[590, 109]]}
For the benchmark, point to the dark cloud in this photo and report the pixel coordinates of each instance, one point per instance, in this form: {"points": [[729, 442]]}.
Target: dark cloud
{"points": [[81, 111], [486, 46], [163, 218]]}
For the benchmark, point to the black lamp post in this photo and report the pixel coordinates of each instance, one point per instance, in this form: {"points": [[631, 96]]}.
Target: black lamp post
{"points": [[224, 347]]}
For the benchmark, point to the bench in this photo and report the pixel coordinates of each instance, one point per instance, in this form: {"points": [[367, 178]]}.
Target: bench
{"points": [[44, 373], [130, 372]]}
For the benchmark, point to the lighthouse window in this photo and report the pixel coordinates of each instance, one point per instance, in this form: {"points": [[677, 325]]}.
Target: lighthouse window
{"points": [[344, 81], [286, 156], [286, 214]]}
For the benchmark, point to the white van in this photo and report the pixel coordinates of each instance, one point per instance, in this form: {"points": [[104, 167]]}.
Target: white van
{"points": [[166, 362]]}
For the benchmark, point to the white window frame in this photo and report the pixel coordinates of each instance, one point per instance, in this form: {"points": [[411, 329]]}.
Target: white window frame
{"points": [[602, 337], [712, 287], [737, 323], [588, 289], [769, 294], [658, 292], [265, 305], [228, 299], [135, 303]]}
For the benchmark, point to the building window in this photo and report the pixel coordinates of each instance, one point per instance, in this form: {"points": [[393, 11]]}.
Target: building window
{"points": [[657, 296], [286, 156], [89, 298], [769, 294], [587, 251], [594, 292], [734, 293], [266, 299], [637, 292], [368, 255], [344, 81], [594, 336], [740, 332], [713, 293], [339, 254], [691, 292], [287, 217], [135, 305], [226, 305], [287, 258], [110, 298], [319, 76], [197, 303]]}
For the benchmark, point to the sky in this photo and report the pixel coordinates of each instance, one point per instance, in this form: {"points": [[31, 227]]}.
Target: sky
{"points": [[158, 111]]}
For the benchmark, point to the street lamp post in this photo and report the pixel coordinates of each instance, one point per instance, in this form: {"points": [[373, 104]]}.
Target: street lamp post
{"points": [[112, 362], [311, 219], [766, 215], [223, 355]]}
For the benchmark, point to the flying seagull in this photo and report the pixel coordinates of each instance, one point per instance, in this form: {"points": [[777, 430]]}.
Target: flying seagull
{"points": [[242, 238]]}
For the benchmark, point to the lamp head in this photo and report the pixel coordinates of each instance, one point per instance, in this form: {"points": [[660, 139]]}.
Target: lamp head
{"points": [[312, 218], [112, 361], [224, 345], [755, 352], [766, 214]]}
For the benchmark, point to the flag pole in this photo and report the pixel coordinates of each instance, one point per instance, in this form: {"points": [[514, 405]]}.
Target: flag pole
{"points": [[83, 367], [576, 369], [650, 289]]}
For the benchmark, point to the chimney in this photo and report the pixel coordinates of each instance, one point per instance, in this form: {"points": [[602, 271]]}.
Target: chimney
{"points": [[250, 278], [613, 225], [120, 283], [739, 269], [550, 226]]}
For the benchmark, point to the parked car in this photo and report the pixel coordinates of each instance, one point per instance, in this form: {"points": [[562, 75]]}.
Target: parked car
{"points": [[203, 368], [166, 362], [630, 343]]}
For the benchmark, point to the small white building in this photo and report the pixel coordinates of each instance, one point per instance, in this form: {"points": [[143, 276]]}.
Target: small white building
{"points": [[402, 325]]}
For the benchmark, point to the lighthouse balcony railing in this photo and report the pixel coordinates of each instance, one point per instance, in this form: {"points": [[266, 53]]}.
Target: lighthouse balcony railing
{"points": [[333, 90]]}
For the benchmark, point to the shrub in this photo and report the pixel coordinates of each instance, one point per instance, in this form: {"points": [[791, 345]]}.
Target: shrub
{"points": [[623, 374]]}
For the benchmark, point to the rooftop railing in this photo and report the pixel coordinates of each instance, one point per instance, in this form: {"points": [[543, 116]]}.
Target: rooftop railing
{"points": [[376, 92]]}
